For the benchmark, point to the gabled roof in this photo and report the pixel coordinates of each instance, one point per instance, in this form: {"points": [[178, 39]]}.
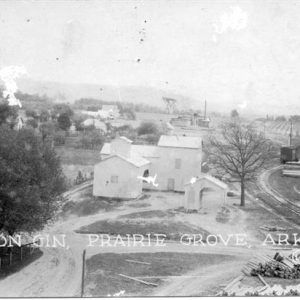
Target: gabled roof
{"points": [[180, 141], [97, 123], [210, 178], [141, 150], [137, 161], [145, 150], [124, 138], [105, 150]]}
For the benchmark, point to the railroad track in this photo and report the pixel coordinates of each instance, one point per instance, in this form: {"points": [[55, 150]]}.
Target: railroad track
{"points": [[274, 199]]}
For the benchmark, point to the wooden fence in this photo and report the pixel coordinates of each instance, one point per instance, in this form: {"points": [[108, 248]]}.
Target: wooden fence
{"points": [[10, 256]]}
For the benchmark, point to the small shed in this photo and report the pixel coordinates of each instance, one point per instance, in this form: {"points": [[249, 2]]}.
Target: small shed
{"points": [[204, 192]]}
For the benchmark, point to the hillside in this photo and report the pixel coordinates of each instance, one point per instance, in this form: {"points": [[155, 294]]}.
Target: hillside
{"points": [[67, 92]]}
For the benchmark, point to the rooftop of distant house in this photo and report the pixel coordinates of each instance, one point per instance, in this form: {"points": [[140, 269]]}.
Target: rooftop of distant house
{"points": [[109, 107]]}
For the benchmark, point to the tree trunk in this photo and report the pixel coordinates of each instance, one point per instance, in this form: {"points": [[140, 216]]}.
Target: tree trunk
{"points": [[242, 192]]}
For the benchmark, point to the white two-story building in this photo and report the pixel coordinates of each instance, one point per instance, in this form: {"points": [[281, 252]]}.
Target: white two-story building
{"points": [[174, 161]]}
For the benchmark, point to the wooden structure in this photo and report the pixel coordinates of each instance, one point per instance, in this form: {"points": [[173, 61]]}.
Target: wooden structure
{"points": [[198, 186]]}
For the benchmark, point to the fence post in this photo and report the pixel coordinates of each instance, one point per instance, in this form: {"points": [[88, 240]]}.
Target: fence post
{"points": [[31, 249], [83, 271]]}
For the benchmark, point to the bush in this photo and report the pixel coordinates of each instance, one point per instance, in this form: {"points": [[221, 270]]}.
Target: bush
{"points": [[127, 131], [91, 140], [78, 119], [64, 121], [59, 138], [152, 138], [32, 123], [80, 178], [147, 128]]}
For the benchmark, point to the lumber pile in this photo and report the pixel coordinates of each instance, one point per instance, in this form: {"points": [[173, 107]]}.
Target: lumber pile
{"points": [[261, 266], [273, 228], [277, 266]]}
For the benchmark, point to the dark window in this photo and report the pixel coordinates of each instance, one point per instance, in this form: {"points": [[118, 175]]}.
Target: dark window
{"points": [[146, 174]]}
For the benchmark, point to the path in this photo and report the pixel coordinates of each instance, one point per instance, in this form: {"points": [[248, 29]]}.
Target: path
{"points": [[58, 272]]}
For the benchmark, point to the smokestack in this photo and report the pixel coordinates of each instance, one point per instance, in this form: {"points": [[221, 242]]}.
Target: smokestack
{"points": [[205, 110]]}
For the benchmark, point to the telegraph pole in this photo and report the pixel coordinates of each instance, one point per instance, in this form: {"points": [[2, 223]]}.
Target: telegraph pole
{"points": [[291, 133], [83, 272]]}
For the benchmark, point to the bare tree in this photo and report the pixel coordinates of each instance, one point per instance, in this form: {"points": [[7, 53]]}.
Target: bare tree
{"points": [[240, 152]]}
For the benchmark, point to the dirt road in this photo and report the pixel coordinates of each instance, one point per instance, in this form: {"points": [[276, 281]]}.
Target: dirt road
{"points": [[58, 272]]}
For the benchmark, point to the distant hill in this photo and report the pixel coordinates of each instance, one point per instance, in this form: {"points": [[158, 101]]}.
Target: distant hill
{"points": [[68, 93]]}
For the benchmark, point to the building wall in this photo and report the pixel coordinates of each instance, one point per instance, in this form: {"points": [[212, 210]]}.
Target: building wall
{"points": [[204, 195], [164, 167], [128, 185]]}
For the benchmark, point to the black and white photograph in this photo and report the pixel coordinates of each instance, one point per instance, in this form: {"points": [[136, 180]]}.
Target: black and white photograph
{"points": [[149, 148]]}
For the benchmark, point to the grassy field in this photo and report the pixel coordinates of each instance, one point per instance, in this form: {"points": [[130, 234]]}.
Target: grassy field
{"points": [[72, 156], [172, 229], [139, 205], [74, 160], [149, 214], [88, 205], [285, 186], [102, 277]]}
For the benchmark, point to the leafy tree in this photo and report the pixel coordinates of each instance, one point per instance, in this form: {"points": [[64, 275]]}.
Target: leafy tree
{"points": [[128, 112], [32, 123], [91, 140], [61, 109], [78, 119], [128, 131], [46, 129], [240, 152], [31, 181], [64, 121], [44, 116], [234, 114], [8, 114], [152, 138], [59, 138], [34, 100], [147, 128], [31, 114]]}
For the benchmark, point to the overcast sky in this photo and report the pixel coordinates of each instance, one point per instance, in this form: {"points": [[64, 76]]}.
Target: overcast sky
{"points": [[240, 52]]}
